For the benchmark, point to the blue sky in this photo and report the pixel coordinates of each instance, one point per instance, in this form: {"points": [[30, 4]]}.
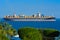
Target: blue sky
{"points": [[29, 7]]}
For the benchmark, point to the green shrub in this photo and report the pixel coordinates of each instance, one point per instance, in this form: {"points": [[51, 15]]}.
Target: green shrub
{"points": [[7, 30], [29, 34], [3, 37]]}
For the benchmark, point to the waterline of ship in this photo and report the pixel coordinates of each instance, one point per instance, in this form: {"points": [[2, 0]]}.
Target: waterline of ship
{"points": [[30, 19]]}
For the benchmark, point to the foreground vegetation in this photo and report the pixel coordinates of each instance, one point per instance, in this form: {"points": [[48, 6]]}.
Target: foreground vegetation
{"points": [[29, 34], [37, 34], [6, 31]]}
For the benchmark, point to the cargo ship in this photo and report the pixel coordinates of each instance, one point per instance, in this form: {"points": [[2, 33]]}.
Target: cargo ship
{"points": [[34, 17]]}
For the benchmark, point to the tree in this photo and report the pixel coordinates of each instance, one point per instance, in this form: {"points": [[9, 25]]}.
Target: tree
{"points": [[9, 29], [29, 34], [6, 31], [3, 37], [49, 34], [37, 34]]}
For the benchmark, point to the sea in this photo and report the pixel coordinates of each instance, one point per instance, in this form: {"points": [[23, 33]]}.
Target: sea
{"points": [[34, 24]]}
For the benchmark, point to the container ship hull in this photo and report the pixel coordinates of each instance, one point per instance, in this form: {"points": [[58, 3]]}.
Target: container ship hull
{"points": [[28, 19]]}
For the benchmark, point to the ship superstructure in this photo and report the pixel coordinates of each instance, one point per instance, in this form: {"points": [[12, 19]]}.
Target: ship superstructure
{"points": [[34, 17]]}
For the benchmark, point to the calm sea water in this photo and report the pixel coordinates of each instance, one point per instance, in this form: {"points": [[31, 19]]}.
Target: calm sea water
{"points": [[35, 24]]}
